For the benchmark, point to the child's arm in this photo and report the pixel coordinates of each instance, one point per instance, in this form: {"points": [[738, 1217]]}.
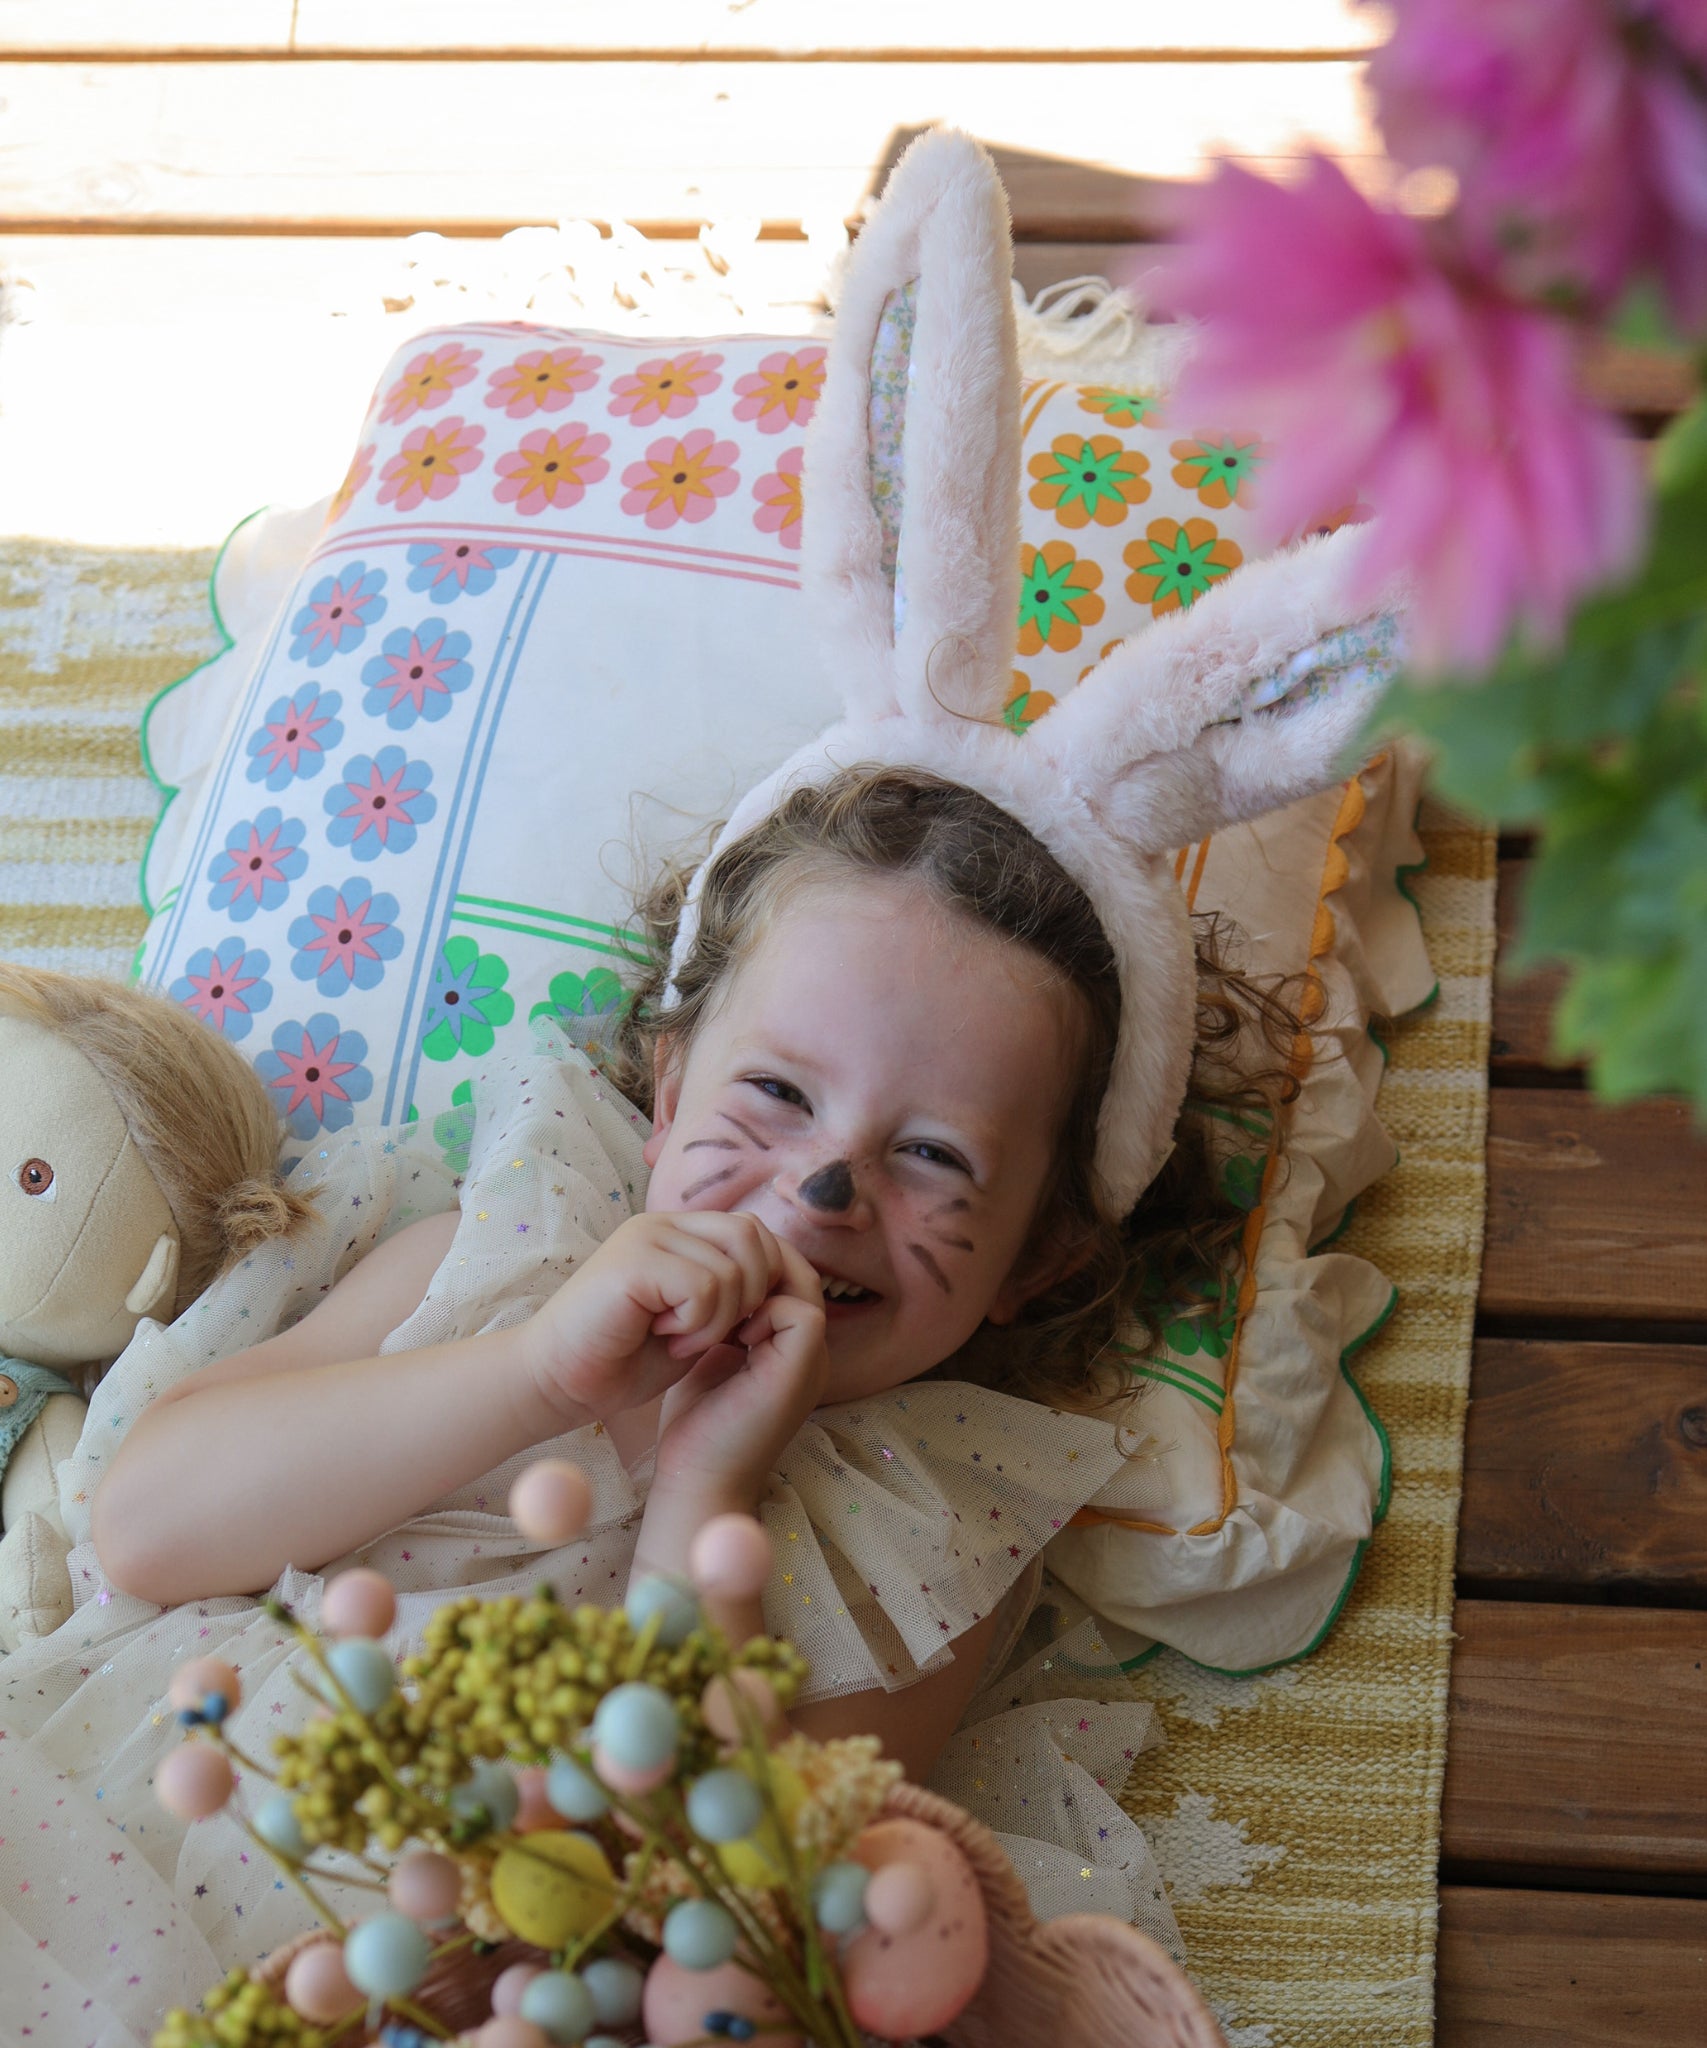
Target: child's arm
{"points": [[723, 1428], [310, 1445]]}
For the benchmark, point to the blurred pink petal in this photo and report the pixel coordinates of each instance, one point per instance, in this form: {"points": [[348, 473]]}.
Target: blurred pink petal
{"points": [[1501, 494], [1575, 129]]}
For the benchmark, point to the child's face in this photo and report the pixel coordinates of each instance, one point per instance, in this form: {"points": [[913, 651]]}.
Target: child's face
{"points": [[883, 1085]]}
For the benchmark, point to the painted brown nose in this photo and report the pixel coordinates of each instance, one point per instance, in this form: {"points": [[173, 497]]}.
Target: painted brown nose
{"points": [[831, 1187]]}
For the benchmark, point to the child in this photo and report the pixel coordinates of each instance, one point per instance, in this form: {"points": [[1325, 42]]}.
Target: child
{"points": [[916, 1071], [875, 1102]]}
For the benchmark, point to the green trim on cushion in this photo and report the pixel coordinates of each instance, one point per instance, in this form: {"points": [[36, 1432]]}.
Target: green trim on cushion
{"points": [[1383, 1499], [1162, 1377], [167, 790], [607, 932], [1339, 1230], [532, 931]]}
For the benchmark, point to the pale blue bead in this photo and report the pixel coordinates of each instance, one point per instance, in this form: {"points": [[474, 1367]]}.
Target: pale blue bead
{"points": [[699, 1934], [838, 1896], [671, 1601], [363, 1668], [559, 2002], [492, 1787], [387, 1956], [603, 2041], [277, 1825], [724, 1806], [575, 1794], [636, 1727], [617, 1988]]}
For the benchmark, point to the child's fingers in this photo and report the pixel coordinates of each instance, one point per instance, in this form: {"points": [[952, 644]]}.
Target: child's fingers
{"points": [[724, 1275], [794, 1331]]}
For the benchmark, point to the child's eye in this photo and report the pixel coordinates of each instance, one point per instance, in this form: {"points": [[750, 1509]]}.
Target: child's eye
{"points": [[939, 1155], [778, 1091]]}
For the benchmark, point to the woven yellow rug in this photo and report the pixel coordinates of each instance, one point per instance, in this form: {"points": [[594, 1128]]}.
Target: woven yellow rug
{"points": [[1295, 1815]]}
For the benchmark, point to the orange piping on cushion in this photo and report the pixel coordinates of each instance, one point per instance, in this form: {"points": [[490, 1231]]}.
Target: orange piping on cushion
{"points": [[1336, 870], [1197, 872], [1090, 1518], [1044, 395]]}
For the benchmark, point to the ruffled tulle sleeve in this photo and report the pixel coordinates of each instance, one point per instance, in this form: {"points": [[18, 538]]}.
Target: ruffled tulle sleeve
{"points": [[901, 1520]]}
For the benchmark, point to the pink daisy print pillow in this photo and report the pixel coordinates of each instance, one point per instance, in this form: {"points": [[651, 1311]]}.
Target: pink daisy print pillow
{"points": [[560, 571]]}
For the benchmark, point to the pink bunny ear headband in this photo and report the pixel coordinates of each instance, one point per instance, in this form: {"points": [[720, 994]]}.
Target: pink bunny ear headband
{"points": [[1210, 716]]}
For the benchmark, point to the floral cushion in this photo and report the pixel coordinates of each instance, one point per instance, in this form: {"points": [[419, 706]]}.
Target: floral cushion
{"points": [[561, 569], [559, 581]]}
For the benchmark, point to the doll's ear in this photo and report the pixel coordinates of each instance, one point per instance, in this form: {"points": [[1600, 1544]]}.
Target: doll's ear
{"points": [[911, 542], [157, 1286], [1253, 698]]}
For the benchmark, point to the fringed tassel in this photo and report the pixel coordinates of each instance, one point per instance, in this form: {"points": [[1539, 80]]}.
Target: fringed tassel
{"points": [[1085, 327]]}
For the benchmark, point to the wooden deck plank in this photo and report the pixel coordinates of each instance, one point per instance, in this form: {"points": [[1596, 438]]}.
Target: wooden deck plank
{"points": [[1523, 1005], [1594, 1211], [1534, 1969], [110, 29], [364, 146], [1586, 1465], [1575, 1739]]}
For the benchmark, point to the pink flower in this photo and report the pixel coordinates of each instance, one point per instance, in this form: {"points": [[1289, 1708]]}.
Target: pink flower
{"points": [[681, 479], [779, 499], [432, 462], [1451, 411], [552, 468], [783, 391], [543, 380], [429, 379], [1578, 140], [666, 388]]}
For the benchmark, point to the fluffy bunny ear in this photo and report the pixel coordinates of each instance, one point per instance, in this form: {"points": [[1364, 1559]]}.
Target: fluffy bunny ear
{"points": [[921, 411], [1244, 703]]}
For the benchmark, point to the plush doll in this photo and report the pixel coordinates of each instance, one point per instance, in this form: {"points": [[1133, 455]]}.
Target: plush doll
{"points": [[138, 1157]]}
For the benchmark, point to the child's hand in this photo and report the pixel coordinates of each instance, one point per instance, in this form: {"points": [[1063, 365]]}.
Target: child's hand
{"points": [[726, 1422], [661, 1291]]}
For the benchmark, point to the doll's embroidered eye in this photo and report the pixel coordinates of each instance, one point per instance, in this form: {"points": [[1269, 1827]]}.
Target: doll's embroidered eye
{"points": [[35, 1177]]}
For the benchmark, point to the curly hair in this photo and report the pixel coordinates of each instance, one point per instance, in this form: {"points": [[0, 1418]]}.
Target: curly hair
{"points": [[1130, 1273]]}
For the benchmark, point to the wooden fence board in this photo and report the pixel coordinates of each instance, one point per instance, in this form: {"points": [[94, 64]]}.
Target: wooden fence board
{"points": [[1575, 1739], [363, 146], [1530, 1969], [1594, 1211], [272, 28], [1586, 1465]]}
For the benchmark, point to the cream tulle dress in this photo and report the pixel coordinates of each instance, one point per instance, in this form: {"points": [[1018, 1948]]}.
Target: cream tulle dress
{"points": [[898, 1521]]}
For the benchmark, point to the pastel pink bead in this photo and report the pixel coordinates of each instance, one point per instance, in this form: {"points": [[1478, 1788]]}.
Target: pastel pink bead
{"points": [[510, 2030], [898, 1898], [676, 2001], [192, 1682], [535, 1812], [318, 1987], [358, 1603], [425, 1885], [628, 1783], [899, 1985], [551, 1501], [507, 1991], [717, 1704], [730, 1558], [193, 1780]]}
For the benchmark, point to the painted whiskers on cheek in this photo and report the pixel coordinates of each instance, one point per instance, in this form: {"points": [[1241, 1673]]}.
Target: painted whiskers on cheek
{"points": [[958, 1244], [716, 1179]]}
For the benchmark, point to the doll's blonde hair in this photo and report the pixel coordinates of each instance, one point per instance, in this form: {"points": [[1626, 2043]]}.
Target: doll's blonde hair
{"points": [[196, 1110]]}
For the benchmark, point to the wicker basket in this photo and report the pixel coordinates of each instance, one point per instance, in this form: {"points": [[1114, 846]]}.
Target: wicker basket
{"points": [[1082, 1981]]}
